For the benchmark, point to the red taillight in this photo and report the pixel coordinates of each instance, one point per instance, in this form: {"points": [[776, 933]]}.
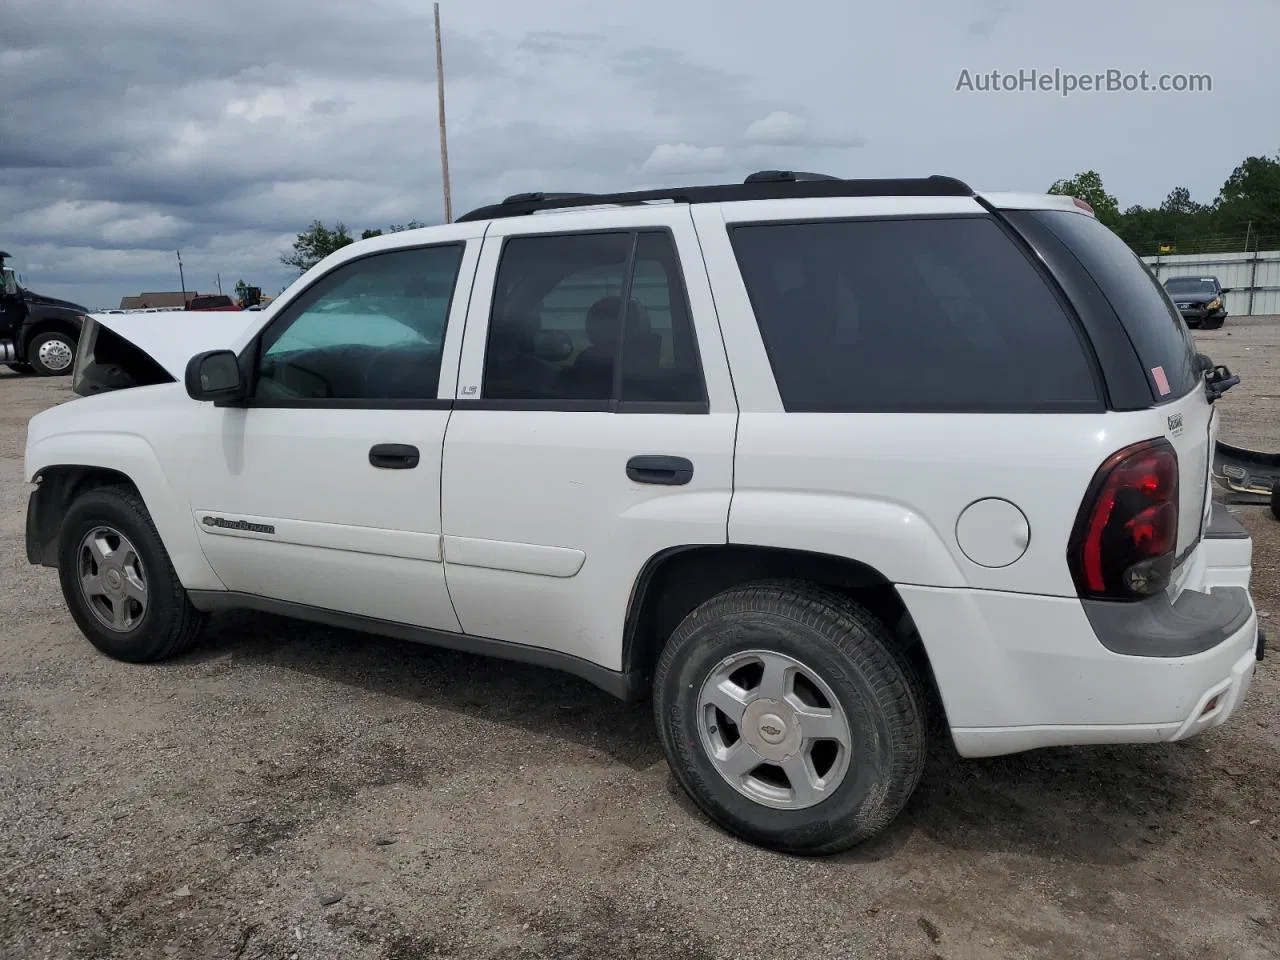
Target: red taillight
{"points": [[1083, 205], [1126, 533]]}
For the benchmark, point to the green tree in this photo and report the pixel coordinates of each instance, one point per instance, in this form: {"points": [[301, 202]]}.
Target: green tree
{"points": [[315, 243], [1179, 202], [1252, 193], [1088, 187]]}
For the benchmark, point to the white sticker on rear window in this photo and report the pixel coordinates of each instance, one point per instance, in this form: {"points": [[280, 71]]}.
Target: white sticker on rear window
{"points": [[1162, 382]]}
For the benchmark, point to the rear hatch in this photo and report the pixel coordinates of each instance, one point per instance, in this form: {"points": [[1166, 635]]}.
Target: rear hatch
{"points": [[1179, 408]]}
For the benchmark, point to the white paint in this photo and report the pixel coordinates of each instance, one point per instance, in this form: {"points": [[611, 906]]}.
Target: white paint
{"points": [[524, 490], [174, 337], [529, 520]]}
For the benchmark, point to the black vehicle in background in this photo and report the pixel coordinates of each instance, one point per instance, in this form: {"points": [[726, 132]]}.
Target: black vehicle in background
{"points": [[38, 334], [1202, 301]]}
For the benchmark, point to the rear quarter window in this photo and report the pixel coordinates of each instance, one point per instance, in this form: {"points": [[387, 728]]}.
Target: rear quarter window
{"points": [[1161, 339], [923, 314]]}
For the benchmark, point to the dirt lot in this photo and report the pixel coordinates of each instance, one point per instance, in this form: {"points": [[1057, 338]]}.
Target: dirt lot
{"points": [[291, 791]]}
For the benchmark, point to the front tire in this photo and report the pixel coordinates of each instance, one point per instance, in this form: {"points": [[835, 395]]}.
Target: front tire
{"points": [[118, 582], [52, 354], [789, 715], [1215, 324]]}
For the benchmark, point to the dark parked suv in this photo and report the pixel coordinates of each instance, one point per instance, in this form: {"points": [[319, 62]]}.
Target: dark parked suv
{"points": [[1202, 301]]}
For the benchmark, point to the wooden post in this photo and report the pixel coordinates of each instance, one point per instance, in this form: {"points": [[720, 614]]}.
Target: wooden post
{"points": [[444, 143]]}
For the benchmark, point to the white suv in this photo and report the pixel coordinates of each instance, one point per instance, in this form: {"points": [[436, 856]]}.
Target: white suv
{"points": [[802, 458]]}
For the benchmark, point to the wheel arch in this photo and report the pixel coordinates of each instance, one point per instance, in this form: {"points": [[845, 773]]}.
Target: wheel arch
{"points": [[57, 487], [675, 581], [33, 326], [63, 466]]}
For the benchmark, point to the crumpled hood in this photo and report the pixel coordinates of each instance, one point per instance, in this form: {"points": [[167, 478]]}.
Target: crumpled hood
{"points": [[174, 337]]}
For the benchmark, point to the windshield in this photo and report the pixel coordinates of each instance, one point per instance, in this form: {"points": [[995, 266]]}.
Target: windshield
{"points": [[1190, 285], [10, 282]]}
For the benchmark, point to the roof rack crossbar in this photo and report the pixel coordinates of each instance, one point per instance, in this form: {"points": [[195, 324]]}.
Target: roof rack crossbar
{"points": [[793, 186]]}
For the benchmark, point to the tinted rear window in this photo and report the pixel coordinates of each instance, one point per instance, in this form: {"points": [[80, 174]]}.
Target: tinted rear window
{"points": [[910, 315], [1164, 344]]}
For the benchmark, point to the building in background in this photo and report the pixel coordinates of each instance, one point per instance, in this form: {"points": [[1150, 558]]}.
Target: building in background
{"points": [[167, 300]]}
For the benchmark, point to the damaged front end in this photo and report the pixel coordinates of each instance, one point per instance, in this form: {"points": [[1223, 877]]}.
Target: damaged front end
{"points": [[106, 361], [118, 351]]}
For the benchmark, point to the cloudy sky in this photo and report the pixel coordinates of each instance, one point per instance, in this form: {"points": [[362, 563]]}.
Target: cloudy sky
{"points": [[131, 128]]}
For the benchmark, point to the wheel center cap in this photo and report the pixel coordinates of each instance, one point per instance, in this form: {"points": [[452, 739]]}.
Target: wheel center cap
{"points": [[114, 581], [771, 728]]}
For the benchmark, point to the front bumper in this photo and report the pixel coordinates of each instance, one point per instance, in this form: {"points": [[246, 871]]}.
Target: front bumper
{"points": [[1194, 317]]}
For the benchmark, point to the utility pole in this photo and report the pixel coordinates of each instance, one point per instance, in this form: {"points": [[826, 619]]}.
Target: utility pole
{"points": [[182, 280], [444, 143], [219, 283]]}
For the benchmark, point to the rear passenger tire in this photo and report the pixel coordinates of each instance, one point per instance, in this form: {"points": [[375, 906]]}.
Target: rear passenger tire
{"points": [[790, 717], [118, 582]]}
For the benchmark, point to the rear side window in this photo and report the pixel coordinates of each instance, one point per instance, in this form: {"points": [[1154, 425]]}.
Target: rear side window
{"points": [[559, 332], [1164, 344], [910, 315]]}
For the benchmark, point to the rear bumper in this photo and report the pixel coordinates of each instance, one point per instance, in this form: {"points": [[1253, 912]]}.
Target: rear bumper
{"points": [[1017, 672], [1171, 700]]}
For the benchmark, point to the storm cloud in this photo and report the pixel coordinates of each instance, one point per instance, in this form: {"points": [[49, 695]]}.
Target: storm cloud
{"points": [[132, 128]]}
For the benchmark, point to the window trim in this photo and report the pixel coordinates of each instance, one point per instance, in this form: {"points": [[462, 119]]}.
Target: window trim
{"points": [[1098, 404], [251, 356], [614, 404]]}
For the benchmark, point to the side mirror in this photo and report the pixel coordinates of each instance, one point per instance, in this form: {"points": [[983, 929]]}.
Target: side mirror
{"points": [[553, 346], [1224, 289], [215, 375]]}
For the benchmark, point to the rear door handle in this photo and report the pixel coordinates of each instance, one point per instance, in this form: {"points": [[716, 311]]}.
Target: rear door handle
{"points": [[394, 456], [668, 471]]}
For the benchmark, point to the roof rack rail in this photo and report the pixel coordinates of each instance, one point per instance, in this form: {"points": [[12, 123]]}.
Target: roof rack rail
{"points": [[540, 197], [787, 176], [767, 185]]}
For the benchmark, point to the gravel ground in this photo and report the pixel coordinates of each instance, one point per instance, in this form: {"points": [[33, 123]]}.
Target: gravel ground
{"points": [[292, 791]]}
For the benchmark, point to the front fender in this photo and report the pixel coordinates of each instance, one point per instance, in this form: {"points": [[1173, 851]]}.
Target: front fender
{"points": [[132, 456], [39, 319]]}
